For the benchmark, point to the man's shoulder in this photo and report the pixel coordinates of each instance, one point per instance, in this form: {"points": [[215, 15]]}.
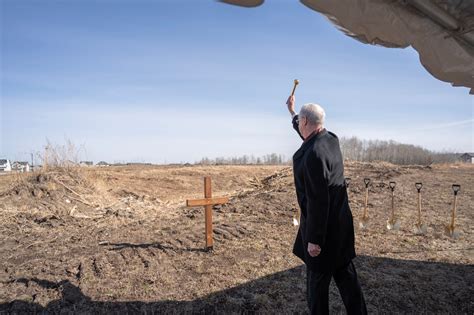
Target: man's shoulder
{"points": [[332, 134], [326, 144], [328, 136]]}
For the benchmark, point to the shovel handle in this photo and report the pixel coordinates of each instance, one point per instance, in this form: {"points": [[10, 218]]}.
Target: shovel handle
{"points": [[419, 208], [453, 215], [393, 206]]}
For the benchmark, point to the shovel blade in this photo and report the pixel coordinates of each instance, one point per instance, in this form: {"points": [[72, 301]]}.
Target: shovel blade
{"points": [[452, 232], [420, 229], [393, 225], [364, 222], [295, 222]]}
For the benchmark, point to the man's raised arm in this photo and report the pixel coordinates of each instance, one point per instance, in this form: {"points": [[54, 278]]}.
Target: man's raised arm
{"points": [[291, 108]]}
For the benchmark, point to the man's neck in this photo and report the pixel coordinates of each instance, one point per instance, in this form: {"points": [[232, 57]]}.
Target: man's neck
{"points": [[313, 132]]}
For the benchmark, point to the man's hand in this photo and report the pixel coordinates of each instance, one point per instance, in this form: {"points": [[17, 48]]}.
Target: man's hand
{"points": [[314, 249], [291, 105]]}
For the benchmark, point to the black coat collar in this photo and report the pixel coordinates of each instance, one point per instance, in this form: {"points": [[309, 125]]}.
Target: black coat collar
{"points": [[309, 143], [315, 135]]}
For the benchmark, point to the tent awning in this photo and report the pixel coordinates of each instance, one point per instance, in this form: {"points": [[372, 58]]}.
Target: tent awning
{"points": [[441, 31]]}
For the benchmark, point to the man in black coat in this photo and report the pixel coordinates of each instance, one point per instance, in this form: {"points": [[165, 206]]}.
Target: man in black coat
{"points": [[325, 239]]}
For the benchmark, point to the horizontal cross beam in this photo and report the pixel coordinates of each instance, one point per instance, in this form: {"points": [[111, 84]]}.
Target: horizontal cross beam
{"points": [[207, 201]]}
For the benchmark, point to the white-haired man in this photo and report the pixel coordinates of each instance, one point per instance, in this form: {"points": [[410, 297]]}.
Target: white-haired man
{"points": [[325, 239]]}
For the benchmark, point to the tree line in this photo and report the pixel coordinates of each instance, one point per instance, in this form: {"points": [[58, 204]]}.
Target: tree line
{"points": [[390, 151], [268, 159], [353, 149]]}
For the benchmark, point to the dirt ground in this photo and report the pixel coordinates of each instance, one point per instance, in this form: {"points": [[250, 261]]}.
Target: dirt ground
{"points": [[121, 240]]}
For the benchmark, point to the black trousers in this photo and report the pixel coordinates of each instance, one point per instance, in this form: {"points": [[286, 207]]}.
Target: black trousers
{"points": [[347, 283]]}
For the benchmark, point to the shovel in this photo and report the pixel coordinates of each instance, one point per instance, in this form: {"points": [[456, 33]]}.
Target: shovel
{"points": [[451, 228], [364, 221], [420, 228], [393, 223]]}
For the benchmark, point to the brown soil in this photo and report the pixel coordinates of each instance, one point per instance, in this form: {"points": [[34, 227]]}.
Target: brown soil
{"points": [[120, 240]]}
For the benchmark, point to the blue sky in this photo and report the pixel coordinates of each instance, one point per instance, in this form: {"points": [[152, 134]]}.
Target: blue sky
{"points": [[174, 81]]}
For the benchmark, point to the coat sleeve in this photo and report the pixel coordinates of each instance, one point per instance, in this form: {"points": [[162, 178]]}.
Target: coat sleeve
{"points": [[317, 200], [295, 125]]}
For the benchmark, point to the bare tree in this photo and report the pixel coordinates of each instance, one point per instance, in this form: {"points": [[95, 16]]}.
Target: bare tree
{"points": [[390, 151]]}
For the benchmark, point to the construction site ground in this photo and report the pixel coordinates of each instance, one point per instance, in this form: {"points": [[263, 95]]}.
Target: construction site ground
{"points": [[121, 240]]}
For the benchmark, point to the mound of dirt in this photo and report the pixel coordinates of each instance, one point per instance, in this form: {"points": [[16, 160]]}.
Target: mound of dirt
{"points": [[59, 192]]}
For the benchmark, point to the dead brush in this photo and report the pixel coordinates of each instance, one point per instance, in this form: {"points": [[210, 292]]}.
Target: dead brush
{"points": [[62, 185], [62, 188]]}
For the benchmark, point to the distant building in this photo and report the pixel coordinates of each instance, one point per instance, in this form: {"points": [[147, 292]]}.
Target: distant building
{"points": [[36, 168], [5, 165], [103, 163], [21, 167], [137, 164], [69, 163], [467, 158], [86, 163]]}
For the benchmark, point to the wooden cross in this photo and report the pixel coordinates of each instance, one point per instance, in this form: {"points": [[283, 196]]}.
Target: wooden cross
{"points": [[207, 202]]}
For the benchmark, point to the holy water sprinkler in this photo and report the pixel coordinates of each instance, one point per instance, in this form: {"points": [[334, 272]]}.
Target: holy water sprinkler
{"points": [[296, 82]]}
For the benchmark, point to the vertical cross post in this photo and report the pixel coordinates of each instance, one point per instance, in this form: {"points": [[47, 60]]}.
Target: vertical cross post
{"points": [[208, 213]]}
